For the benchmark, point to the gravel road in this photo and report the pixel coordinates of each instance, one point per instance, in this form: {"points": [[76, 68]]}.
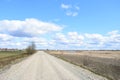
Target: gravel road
{"points": [[42, 66]]}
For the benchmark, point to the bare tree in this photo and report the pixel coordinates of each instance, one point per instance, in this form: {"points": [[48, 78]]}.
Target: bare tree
{"points": [[31, 48]]}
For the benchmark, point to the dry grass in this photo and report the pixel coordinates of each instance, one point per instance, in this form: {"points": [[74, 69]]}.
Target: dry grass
{"points": [[7, 55], [105, 63], [7, 58]]}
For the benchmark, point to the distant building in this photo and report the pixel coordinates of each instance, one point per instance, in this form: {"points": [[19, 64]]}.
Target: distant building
{"points": [[7, 49]]}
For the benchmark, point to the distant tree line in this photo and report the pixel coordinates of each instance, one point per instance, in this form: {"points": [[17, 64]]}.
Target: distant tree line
{"points": [[8, 49]]}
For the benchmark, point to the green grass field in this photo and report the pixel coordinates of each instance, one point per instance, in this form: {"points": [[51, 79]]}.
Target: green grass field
{"points": [[4, 54], [8, 57]]}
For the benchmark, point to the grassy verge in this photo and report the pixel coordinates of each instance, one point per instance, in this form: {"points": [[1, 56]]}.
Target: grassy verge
{"points": [[10, 57], [4, 54]]}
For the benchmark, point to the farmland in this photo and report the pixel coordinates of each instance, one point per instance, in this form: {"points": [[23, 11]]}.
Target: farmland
{"points": [[105, 63], [10, 57], [4, 54], [42, 66]]}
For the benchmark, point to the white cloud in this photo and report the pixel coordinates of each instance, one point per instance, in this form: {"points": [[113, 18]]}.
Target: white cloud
{"points": [[28, 27], [61, 38], [70, 40], [71, 13], [95, 37], [5, 37], [8, 41], [114, 36], [75, 35], [114, 39], [94, 40], [73, 40], [70, 10], [37, 40], [113, 32], [64, 6], [77, 7], [18, 45], [108, 41], [75, 14]]}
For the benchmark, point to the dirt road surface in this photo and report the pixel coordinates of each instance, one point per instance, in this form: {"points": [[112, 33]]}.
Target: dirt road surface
{"points": [[42, 66]]}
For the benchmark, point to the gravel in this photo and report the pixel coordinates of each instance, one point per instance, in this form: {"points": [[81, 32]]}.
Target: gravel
{"points": [[42, 66]]}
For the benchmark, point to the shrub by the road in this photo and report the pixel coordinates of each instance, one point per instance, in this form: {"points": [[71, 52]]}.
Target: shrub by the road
{"points": [[31, 48]]}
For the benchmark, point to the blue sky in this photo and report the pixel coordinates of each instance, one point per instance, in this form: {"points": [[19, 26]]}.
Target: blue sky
{"points": [[67, 24]]}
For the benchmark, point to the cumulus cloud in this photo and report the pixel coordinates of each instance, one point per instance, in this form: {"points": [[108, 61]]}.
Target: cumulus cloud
{"points": [[27, 28], [115, 32], [71, 13], [11, 44], [73, 40], [77, 8], [111, 40], [70, 10], [94, 41], [5, 37], [70, 40], [65, 6], [114, 37], [61, 39], [8, 41], [95, 38], [37, 40]]}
